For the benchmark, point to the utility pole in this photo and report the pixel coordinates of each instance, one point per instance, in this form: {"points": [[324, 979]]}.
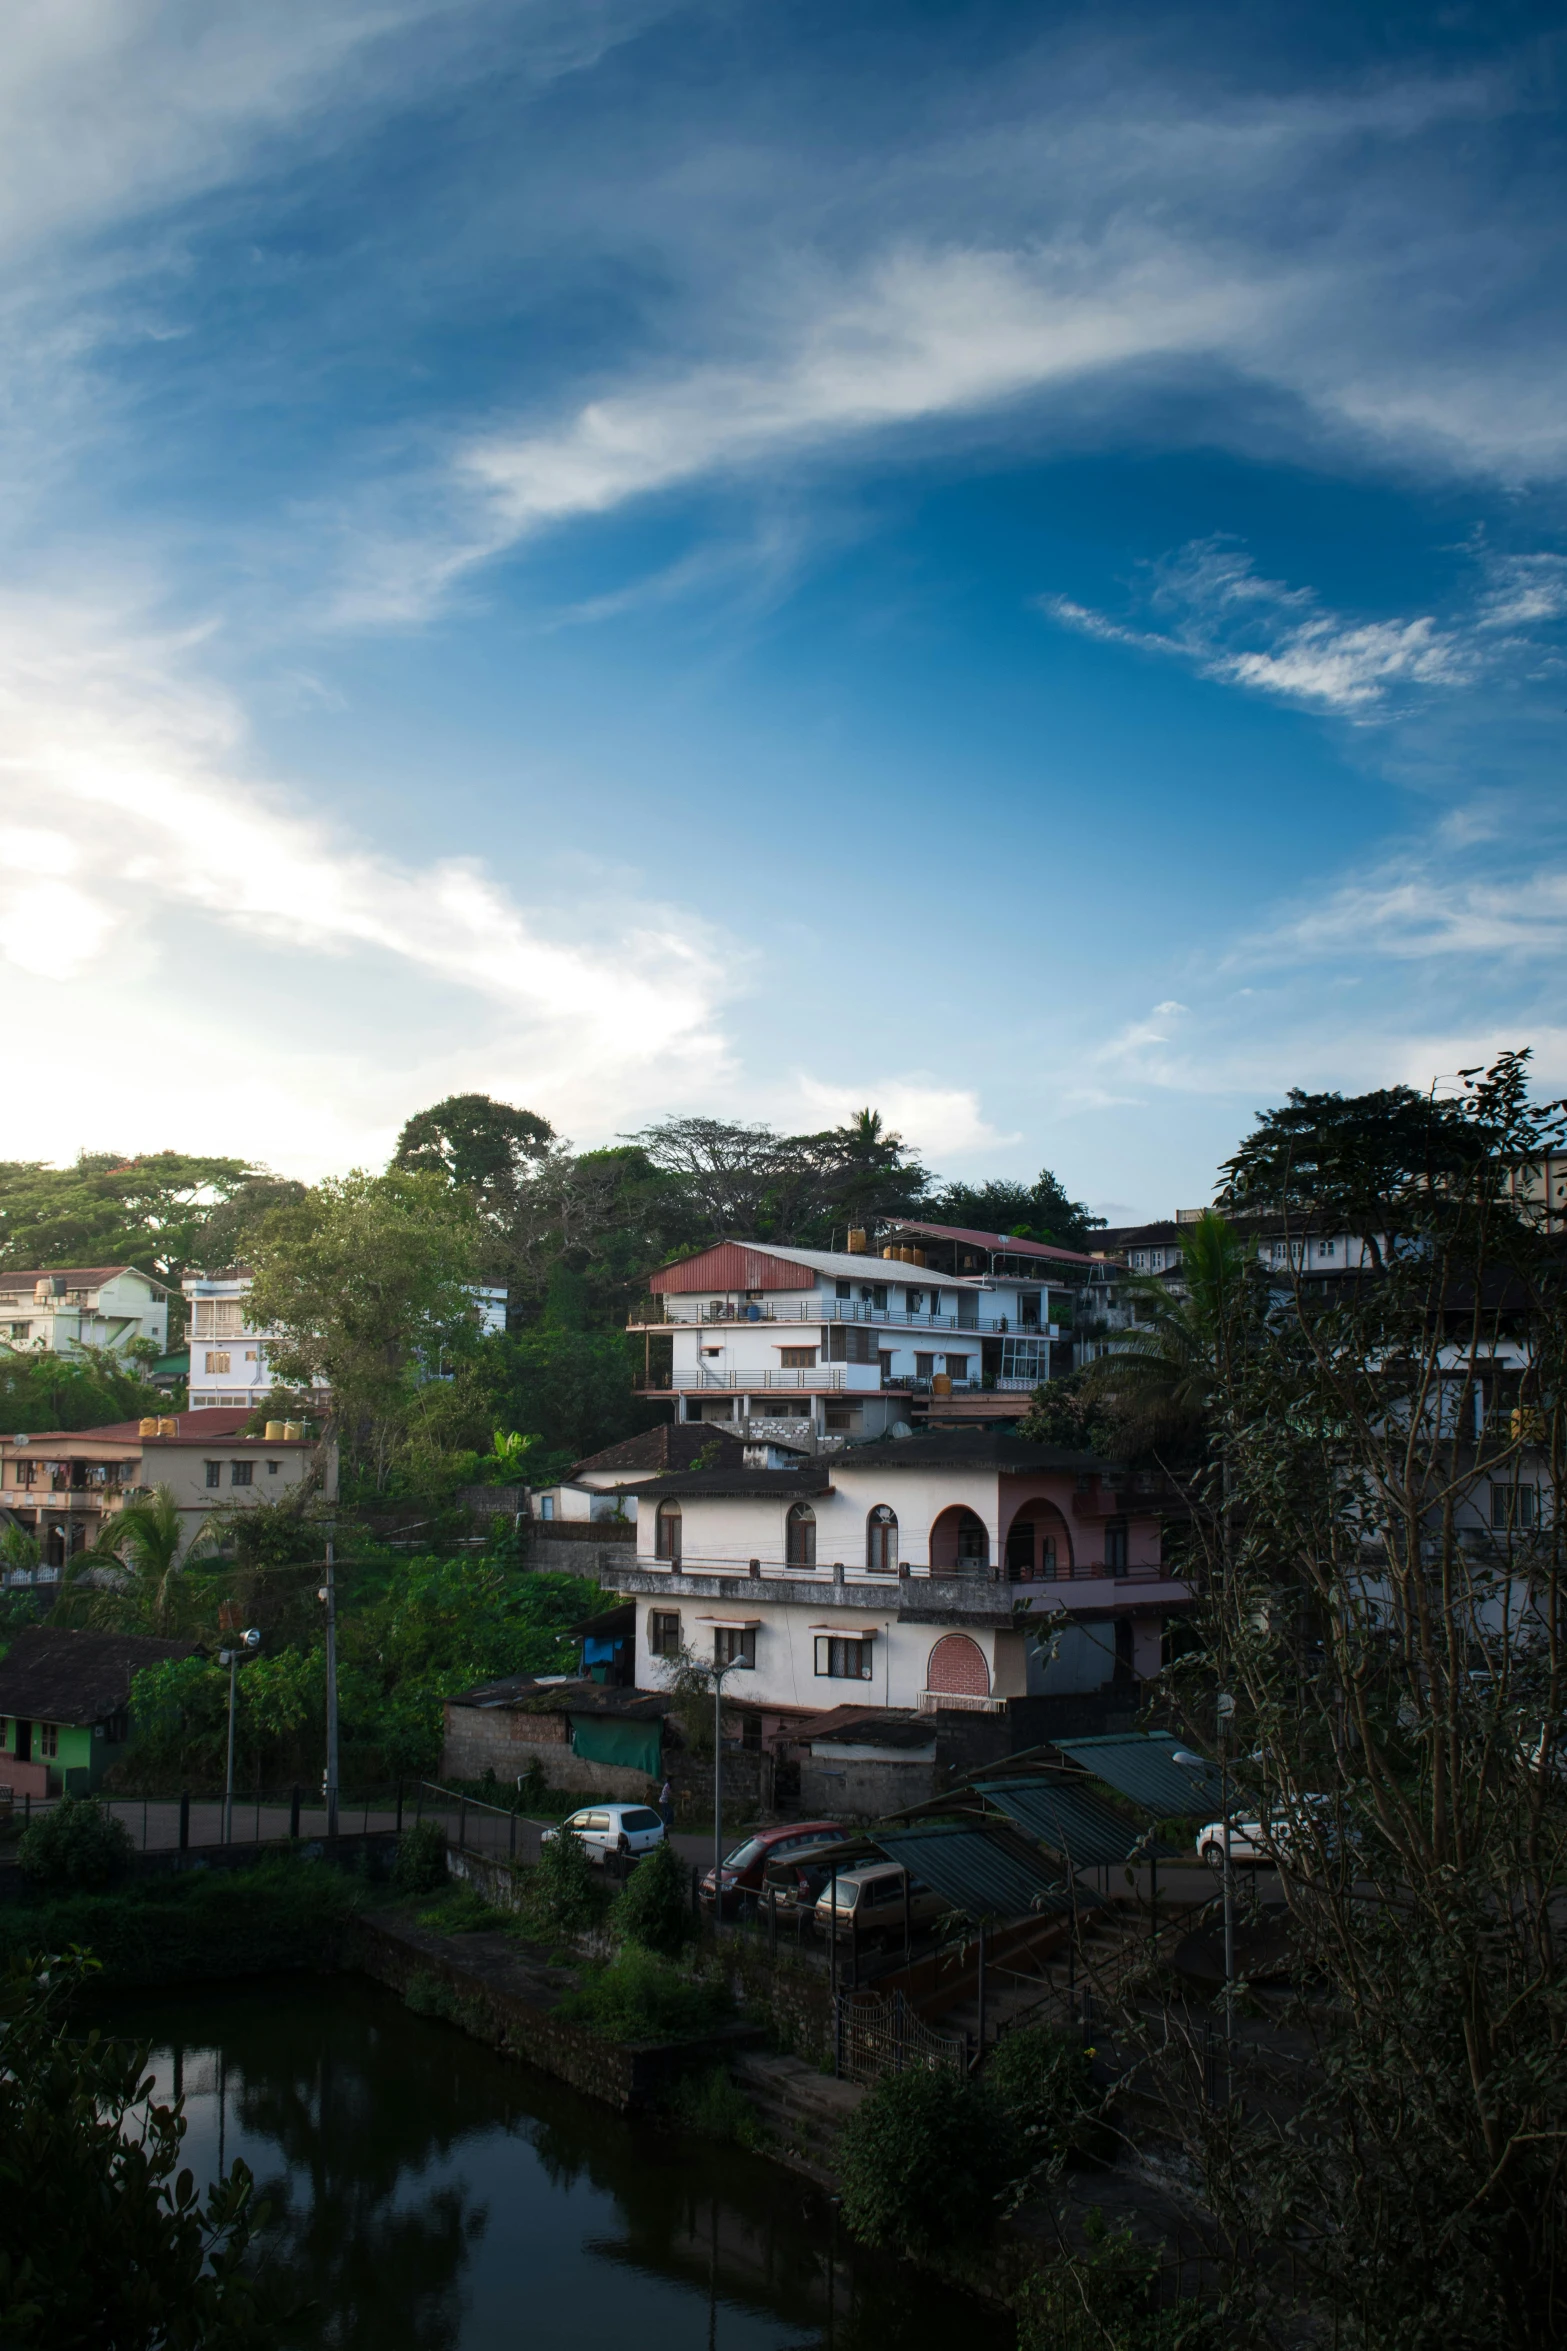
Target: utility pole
{"points": [[329, 1596], [719, 1672]]}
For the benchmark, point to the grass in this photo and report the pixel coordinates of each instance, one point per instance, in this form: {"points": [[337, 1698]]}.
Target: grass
{"points": [[464, 1911], [640, 1997]]}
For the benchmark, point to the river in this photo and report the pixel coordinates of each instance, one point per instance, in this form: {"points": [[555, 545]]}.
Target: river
{"points": [[429, 2195]]}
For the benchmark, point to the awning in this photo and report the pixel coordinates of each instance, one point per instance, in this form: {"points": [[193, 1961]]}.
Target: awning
{"points": [[631, 1746], [850, 1632], [986, 1872], [732, 1624], [1073, 1821], [1139, 1764]]}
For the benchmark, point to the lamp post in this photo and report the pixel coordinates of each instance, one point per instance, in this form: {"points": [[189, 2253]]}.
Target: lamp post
{"points": [[719, 1672], [247, 1646], [1190, 1762], [328, 1595]]}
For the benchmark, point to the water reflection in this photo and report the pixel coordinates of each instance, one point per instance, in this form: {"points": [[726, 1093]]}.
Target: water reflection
{"points": [[430, 2196]]}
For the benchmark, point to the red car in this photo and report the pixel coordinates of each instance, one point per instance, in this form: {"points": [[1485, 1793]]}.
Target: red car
{"points": [[741, 1870]]}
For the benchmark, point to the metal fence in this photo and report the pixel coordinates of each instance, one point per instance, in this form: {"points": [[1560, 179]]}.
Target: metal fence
{"points": [[877, 2033], [174, 1823]]}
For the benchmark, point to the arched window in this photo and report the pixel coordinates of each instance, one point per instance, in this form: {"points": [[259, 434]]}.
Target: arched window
{"points": [[667, 1545], [973, 1544], [956, 1668], [800, 1536], [881, 1541]]}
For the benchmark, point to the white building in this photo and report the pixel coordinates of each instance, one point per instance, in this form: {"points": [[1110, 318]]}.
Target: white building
{"points": [[64, 1308], [915, 1574], [829, 1345], [229, 1357]]}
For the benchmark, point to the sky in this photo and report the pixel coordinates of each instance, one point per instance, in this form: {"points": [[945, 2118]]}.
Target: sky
{"points": [[1004, 563]]}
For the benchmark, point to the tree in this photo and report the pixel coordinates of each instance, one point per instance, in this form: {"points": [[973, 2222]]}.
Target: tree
{"points": [[1162, 1376], [150, 1212], [48, 1391], [367, 1283], [1387, 1618], [104, 2240], [151, 1589], [1039, 1211], [924, 2160]]}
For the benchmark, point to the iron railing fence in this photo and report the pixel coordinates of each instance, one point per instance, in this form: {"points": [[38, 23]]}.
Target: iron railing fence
{"points": [[183, 1820]]}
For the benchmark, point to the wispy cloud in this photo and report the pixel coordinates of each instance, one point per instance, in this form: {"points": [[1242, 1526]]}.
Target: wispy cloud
{"points": [[1411, 911], [945, 1121]]}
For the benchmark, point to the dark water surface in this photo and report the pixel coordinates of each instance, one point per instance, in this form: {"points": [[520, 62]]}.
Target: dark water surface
{"points": [[431, 2196]]}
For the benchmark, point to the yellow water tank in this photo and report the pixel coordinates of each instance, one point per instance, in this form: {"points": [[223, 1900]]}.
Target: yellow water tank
{"points": [[855, 1244], [918, 1256], [276, 1431], [167, 1426], [941, 1384], [147, 1428], [889, 1252], [293, 1428]]}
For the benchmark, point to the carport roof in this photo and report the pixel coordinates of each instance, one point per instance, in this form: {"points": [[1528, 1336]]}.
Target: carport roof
{"points": [[1073, 1821], [1140, 1764], [988, 1872]]}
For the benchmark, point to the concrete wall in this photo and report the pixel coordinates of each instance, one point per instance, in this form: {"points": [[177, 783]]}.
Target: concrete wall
{"points": [[857, 1787], [494, 1738], [578, 1547]]}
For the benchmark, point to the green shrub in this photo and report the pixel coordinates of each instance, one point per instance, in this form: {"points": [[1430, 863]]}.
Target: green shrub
{"points": [[77, 1844], [463, 1911], [1105, 2297], [420, 1867], [712, 2105], [654, 1909], [282, 1914], [924, 2160], [641, 1997], [563, 1895], [1042, 2077]]}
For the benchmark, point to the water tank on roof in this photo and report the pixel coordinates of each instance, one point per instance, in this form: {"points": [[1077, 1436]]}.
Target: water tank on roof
{"points": [[855, 1243], [293, 1429], [276, 1431], [146, 1428]]}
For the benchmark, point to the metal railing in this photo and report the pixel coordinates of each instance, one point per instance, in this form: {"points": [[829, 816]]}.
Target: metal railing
{"points": [[825, 1310], [821, 1375], [183, 1821]]}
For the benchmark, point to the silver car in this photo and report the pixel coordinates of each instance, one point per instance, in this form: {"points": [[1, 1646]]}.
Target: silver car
{"points": [[871, 1904], [612, 1828]]}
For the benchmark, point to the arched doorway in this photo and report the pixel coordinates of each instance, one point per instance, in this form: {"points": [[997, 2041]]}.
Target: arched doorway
{"points": [[956, 1668], [959, 1542], [667, 1533], [800, 1536], [1038, 1543], [881, 1540]]}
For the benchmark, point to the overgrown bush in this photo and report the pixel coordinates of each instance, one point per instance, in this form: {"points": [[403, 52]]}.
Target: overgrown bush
{"points": [[654, 1909], [420, 1867], [281, 1914], [1104, 2296], [712, 2105], [641, 1997], [77, 1845], [464, 1911], [924, 2160], [1042, 2077], [563, 1896]]}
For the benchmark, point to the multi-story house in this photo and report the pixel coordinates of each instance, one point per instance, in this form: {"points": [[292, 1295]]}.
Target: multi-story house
{"points": [[828, 1347], [65, 1485], [229, 1365], [61, 1309]]}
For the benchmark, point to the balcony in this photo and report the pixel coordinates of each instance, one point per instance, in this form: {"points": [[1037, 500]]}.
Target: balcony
{"points": [[840, 1310], [825, 1376]]}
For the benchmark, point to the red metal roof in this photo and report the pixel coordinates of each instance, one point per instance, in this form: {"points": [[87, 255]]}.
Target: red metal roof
{"points": [[733, 1265], [191, 1428], [1005, 1243]]}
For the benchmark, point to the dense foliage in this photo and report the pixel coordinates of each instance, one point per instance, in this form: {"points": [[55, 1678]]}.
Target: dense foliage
{"points": [[924, 2160], [104, 2241], [564, 1896], [1042, 2077], [655, 1909], [74, 1846], [44, 1391], [410, 1632], [641, 1997], [282, 1913]]}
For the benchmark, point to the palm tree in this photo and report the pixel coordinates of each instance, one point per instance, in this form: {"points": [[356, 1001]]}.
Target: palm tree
{"points": [[1165, 1371], [141, 1543]]}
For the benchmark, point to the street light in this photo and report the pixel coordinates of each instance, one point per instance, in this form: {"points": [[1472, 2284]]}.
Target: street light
{"points": [[327, 1594], [247, 1646], [1190, 1762], [719, 1672]]}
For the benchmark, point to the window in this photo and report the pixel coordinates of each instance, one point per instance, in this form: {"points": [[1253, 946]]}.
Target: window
{"points": [[881, 1541], [1512, 1506], [1139, 1261], [21, 1330], [273, 1467], [957, 1367], [916, 1301], [797, 1358], [214, 1471], [843, 1661], [22, 1472], [242, 1473], [49, 1738], [663, 1632], [666, 1541], [973, 1542], [850, 1343], [800, 1536], [218, 1318], [1115, 1546], [879, 1297], [216, 1363], [844, 1289], [924, 1367], [546, 1506], [884, 1363], [1047, 1557], [734, 1644]]}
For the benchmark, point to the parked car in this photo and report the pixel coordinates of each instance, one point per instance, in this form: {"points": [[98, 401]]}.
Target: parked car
{"points": [[870, 1904], [612, 1828], [741, 1871], [791, 1881], [1265, 1843]]}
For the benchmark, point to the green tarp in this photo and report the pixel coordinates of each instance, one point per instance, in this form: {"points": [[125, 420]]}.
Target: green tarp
{"points": [[633, 1746]]}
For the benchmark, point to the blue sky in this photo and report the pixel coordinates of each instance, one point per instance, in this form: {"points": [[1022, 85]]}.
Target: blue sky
{"points": [[1004, 562]]}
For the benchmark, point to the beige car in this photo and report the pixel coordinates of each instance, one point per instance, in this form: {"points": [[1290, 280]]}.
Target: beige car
{"points": [[871, 1905]]}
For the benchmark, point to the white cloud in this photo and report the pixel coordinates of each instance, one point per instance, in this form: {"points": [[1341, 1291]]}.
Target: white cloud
{"points": [[138, 832], [936, 1120], [1409, 912]]}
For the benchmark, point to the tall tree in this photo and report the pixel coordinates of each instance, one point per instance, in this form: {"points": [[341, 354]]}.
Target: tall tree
{"points": [[150, 1212], [1039, 1211], [484, 1147]]}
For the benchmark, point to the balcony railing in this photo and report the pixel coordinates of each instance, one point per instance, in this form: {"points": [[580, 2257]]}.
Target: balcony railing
{"points": [[841, 1310], [824, 1375]]}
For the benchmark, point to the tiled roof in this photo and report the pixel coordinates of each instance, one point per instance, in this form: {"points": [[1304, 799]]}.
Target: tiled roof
{"points": [[1003, 1244], [81, 1277], [55, 1676], [672, 1446], [810, 1478]]}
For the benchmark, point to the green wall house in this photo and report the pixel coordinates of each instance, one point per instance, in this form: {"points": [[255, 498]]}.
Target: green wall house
{"points": [[65, 1706]]}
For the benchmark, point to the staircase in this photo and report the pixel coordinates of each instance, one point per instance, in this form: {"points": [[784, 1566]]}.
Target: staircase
{"points": [[1050, 1983], [803, 2110]]}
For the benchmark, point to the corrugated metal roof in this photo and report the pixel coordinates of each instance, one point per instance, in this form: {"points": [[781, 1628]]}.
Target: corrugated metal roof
{"points": [[1073, 1821], [986, 1872], [1138, 1764]]}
